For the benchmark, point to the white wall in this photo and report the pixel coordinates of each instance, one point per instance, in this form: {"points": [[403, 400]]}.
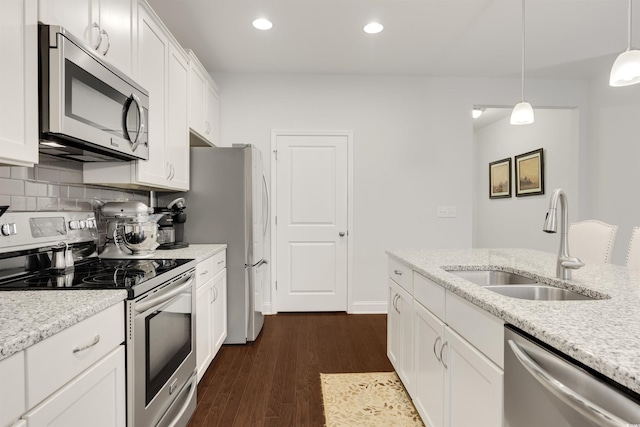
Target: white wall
{"points": [[614, 159], [413, 150], [517, 221]]}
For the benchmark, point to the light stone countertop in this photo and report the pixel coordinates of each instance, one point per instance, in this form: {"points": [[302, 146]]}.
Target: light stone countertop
{"points": [[28, 317], [198, 252], [603, 334]]}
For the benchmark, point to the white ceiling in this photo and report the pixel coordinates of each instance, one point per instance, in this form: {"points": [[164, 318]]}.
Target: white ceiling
{"points": [[459, 38]]}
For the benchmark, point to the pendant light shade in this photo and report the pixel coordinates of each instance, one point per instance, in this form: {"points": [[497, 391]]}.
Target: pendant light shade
{"points": [[523, 112], [626, 68]]}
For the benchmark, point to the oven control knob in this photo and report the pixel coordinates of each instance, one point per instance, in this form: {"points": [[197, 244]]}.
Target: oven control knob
{"points": [[77, 224], [9, 229], [91, 223]]}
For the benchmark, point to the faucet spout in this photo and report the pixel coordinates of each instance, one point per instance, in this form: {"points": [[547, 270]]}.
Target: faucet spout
{"points": [[565, 263]]}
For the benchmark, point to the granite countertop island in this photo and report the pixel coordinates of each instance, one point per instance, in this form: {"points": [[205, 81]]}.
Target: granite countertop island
{"points": [[28, 317], [603, 333]]}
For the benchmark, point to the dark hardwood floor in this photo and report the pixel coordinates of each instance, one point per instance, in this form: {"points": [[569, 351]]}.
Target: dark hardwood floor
{"points": [[275, 381]]}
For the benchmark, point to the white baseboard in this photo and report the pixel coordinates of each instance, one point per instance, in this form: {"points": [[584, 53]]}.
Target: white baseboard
{"points": [[369, 307], [267, 309]]}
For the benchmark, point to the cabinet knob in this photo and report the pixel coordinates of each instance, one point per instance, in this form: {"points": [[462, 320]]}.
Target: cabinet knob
{"points": [[341, 234]]}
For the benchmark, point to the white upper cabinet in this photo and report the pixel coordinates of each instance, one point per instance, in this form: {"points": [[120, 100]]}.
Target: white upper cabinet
{"points": [[203, 105], [163, 70], [19, 82], [107, 26]]}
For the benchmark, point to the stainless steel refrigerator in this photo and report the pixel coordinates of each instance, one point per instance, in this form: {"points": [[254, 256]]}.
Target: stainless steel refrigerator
{"points": [[228, 203]]}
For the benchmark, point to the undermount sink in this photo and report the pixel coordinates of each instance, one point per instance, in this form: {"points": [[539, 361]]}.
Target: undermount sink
{"points": [[493, 277], [538, 293], [517, 286]]}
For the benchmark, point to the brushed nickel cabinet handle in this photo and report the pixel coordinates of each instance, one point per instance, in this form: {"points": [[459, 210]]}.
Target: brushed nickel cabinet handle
{"points": [[95, 341], [398, 272]]}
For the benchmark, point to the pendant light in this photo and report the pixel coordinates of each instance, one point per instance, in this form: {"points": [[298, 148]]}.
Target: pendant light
{"points": [[523, 112], [626, 68]]}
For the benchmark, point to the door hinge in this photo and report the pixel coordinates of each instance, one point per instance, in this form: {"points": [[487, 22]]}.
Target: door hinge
{"points": [[276, 153], [276, 285], [276, 220]]}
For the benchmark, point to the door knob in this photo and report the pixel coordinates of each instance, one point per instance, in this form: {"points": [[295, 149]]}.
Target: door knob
{"points": [[341, 234]]}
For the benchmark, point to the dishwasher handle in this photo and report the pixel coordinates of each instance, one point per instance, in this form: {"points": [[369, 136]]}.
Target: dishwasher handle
{"points": [[569, 396]]}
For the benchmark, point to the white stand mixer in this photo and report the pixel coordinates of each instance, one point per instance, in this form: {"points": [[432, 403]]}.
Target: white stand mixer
{"points": [[131, 231]]}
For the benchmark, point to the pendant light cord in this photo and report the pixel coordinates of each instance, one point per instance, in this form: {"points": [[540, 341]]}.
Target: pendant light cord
{"points": [[523, 47], [629, 26]]}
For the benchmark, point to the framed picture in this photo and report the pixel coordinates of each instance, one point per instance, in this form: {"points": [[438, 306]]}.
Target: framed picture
{"points": [[500, 179], [530, 173]]}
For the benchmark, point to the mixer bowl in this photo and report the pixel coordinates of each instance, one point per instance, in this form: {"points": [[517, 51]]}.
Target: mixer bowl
{"points": [[138, 237]]}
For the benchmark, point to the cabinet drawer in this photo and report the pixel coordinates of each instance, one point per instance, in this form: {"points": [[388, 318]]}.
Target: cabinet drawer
{"points": [[483, 330], [401, 274], [206, 269], [55, 361], [429, 294]]}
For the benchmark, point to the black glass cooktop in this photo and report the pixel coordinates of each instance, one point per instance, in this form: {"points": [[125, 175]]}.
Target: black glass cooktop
{"points": [[96, 274]]}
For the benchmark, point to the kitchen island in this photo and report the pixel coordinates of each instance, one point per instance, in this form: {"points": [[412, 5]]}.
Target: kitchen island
{"points": [[603, 333]]}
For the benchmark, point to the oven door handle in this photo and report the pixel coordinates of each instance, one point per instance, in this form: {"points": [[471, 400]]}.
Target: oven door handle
{"points": [[164, 296], [579, 403]]}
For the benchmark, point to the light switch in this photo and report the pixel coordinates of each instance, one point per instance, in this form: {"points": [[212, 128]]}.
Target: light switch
{"points": [[447, 212]]}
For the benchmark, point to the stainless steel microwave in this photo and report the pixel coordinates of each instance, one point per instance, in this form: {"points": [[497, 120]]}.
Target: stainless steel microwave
{"points": [[89, 110]]}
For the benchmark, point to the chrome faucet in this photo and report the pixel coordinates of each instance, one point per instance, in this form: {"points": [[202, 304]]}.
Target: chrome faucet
{"points": [[566, 263]]}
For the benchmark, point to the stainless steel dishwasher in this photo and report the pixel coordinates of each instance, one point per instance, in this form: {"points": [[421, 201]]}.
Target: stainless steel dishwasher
{"points": [[543, 387]]}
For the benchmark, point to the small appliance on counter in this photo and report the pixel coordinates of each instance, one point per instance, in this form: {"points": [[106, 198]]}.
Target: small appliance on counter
{"points": [[171, 225], [132, 232]]}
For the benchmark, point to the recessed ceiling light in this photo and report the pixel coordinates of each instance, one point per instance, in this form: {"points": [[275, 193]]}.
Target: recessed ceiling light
{"points": [[262, 24], [373, 28]]}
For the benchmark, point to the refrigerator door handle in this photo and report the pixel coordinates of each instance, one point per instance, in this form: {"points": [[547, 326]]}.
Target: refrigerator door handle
{"points": [[265, 219]]}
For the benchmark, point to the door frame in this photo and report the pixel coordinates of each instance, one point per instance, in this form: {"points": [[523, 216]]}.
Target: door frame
{"points": [[273, 211]]}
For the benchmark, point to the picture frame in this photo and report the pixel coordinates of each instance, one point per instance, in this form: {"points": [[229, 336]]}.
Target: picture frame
{"points": [[500, 179], [529, 180]]}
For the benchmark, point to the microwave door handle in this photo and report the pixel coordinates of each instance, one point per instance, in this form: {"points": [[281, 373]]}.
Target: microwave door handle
{"points": [[127, 105], [569, 396]]}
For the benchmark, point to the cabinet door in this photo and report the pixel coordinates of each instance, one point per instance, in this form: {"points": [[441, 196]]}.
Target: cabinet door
{"points": [[116, 23], [212, 120], [177, 143], [474, 386], [204, 322], [96, 397], [393, 327], [76, 16], [152, 75], [430, 373], [219, 310], [19, 82], [406, 372], [197, 92]]}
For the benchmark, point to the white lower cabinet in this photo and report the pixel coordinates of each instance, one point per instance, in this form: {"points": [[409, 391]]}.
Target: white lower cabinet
{"points": [[400, 336], [473, 385], [96, 397], [454, 380], [430, 372], [211, 309], [73, 378]]}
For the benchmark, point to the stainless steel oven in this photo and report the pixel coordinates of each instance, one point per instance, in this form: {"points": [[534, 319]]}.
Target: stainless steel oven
{"points": [[161, 354], [160, 335], [89, 110]]}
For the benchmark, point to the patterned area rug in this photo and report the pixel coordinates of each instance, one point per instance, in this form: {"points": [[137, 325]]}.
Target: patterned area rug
{"points": [[367, 399]]}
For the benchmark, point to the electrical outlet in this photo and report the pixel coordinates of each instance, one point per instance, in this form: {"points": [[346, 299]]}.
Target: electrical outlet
{"points": [[447, 212]]}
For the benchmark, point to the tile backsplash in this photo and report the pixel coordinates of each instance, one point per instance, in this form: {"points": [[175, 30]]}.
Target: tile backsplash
{"points": [[56, 184]]}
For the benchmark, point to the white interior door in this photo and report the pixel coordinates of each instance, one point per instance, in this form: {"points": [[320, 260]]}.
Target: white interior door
{"points": [[311, 222]]}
